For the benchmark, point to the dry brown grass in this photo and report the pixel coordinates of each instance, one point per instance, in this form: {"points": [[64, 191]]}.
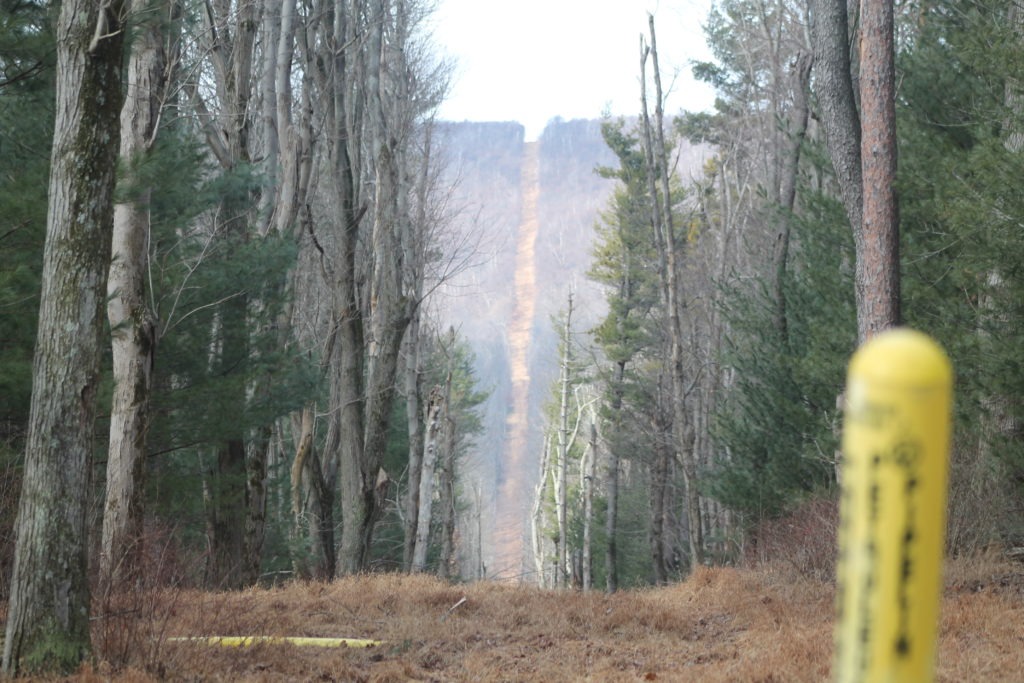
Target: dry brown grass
{"points": [[720, 625]]}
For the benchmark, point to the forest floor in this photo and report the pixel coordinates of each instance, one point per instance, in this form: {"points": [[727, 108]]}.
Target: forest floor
{"points": [[722, 624]]}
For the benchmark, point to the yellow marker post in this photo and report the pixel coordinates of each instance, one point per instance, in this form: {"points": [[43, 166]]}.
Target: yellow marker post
{"points": [[893, 509]]}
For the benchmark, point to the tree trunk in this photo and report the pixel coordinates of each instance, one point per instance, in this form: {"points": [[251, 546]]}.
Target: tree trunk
{"points": [[358, 501], [878, 259], [837, 101], [255, 529], [302, 456], [369, 121], [133, 329], [389, 310], [48, 610], [446, 567], [611, 558], [659, 494], [416, 446], [612, 485], [562, 471], [345, 371], [288, 158], [288, 136], [226, 506], [657, 163], [432, 423], [787, 191], [539, 516], [413, 272], [371, 118], [588, 506], [322, 523], [863, 152]]}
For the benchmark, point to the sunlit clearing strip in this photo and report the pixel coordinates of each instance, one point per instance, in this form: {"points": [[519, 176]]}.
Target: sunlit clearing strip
{"points": [[246, 641]]}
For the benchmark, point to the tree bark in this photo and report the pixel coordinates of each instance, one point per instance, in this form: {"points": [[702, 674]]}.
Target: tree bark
{"points": [[288, 151], [878, 260], [446, 567], [432, 422], [863, 149], [416, 447], [413, 273], [562, 471], [588, 506], [611, 559], [539, 517], [257, 455], [787, 191], [345, 444], [48, 611], [302, 455], [389, 307], [226, 506], [323, 476], [371, 117], [659, 501], [837, 101], [132, 324]]}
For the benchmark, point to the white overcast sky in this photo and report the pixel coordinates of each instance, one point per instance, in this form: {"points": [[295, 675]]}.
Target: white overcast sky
{"points": [[532, 60]]}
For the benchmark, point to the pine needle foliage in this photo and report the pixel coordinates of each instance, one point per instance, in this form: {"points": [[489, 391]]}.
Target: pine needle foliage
{"points": [[777, 424]]}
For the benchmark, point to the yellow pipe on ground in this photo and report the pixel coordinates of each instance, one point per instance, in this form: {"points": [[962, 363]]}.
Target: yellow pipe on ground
{"points": [[247, 641], [893, 510]]}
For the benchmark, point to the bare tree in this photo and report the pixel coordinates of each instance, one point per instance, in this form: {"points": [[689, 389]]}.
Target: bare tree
{"points": [[376, 103], [415, 278], [562, 464], [132, 324], [551, 517], [664, 227], [251, 90], [48, 612], [542, 546], [288, 154]]}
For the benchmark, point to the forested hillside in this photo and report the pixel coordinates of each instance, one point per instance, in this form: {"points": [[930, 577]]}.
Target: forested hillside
{"points": [[505, 305], [264, 318]]}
